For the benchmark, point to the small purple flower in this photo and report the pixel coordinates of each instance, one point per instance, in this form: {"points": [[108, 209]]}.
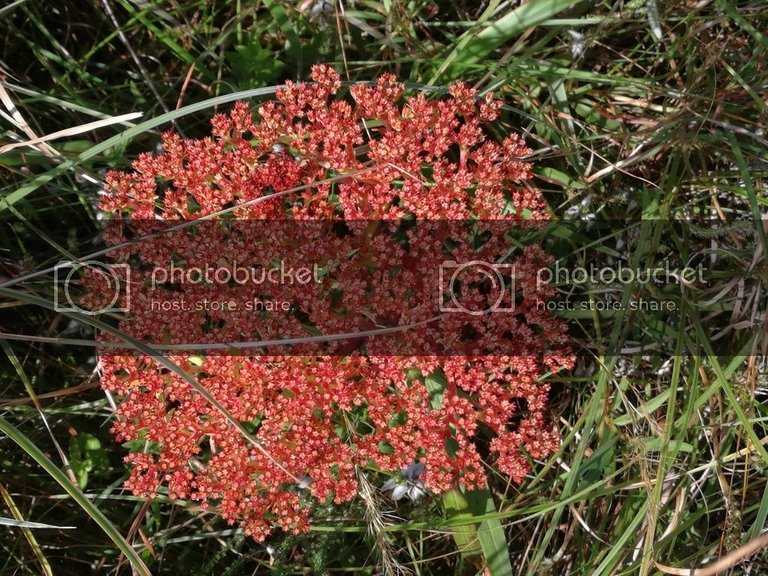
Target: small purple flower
{"points": [[410, 486]]}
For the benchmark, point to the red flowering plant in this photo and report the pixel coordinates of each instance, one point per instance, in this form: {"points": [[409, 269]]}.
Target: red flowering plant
{"points": [[370, 362]]}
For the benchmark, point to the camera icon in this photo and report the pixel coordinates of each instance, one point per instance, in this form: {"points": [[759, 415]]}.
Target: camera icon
{"points": [[91, 287], [469, 287]]}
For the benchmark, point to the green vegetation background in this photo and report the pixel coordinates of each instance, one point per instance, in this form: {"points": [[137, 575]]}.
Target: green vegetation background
{"points": [[647, 110]]}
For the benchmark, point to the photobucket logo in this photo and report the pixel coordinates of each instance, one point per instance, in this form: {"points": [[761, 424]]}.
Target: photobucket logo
{"points": [[605, 275], [91, 287], [222, 275]]}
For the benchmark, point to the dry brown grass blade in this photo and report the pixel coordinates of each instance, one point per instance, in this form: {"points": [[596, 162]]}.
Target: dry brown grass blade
{"points": [[724, 563], [72, 131], [21, 123], [46, 395], [376, 524]]}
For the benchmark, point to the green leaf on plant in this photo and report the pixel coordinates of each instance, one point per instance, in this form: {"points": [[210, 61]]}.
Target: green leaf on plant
{"points": [[253, 65], [484, 537], [86, 455], [436, 384]]}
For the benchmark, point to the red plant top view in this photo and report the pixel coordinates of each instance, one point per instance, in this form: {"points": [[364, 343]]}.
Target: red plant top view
{"points": [[312, 155]]}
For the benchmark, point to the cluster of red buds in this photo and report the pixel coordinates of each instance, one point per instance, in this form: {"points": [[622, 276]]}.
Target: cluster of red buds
{"points": [[367, 195]]}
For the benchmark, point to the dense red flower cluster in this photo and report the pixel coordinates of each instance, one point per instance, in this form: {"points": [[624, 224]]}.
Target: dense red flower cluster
{"points": [[403, 154], [316, 417]]}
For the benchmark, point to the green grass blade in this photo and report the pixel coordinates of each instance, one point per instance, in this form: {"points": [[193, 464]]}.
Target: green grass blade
{"points": [[35, 525], [750, 189], [724, 382], [472, 47], [489, 534], [126, 136], [465, 535], [293, 47], [19, 522], [172, 45], [98, 516]]}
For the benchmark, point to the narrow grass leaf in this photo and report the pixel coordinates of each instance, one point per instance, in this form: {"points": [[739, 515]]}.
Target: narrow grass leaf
{"points": [[97, 515], [503, 30], [73, 131], [126, 136], [486, 535], [19, 522], [35, 525]]}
